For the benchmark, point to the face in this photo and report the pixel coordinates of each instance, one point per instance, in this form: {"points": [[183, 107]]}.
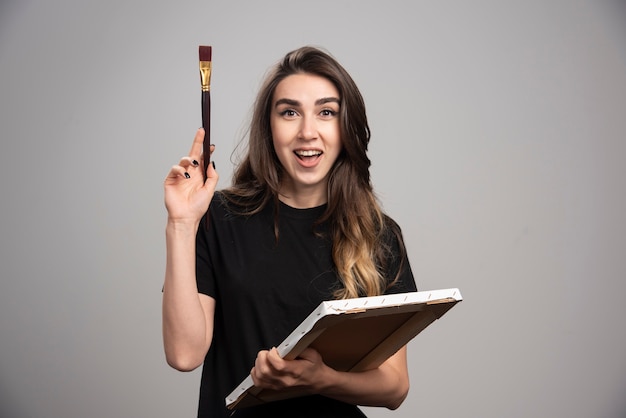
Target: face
{"points": [[306, 135]]}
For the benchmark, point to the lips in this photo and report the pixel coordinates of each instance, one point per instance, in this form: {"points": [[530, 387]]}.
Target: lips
{"points": [[308, 153], [308, 157]]}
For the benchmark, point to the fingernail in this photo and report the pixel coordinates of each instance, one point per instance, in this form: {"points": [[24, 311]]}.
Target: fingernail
{"points": [[213, 164], [187, 176], [194, 162]]}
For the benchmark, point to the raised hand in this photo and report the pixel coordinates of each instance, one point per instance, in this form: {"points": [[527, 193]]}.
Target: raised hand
{"points": [[187, 195]]}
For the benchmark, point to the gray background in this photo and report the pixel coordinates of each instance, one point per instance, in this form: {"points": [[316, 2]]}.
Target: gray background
{"points": [[498, 145]]}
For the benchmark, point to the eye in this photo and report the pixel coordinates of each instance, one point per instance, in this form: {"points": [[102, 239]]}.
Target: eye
{"points": [[289, 113], [329, 113]]}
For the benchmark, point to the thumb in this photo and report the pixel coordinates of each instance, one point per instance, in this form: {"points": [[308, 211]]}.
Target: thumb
{"points": [[211, 176], [311, 355]]}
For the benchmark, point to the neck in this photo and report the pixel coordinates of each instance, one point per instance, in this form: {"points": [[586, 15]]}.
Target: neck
{"points": [[303, 198]]}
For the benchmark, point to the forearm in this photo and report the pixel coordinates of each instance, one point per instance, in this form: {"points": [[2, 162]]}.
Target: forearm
{"points": [[186, 335], [385, 386]]}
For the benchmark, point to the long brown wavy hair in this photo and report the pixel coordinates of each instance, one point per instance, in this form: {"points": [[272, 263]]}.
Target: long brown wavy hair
{"points": [[359, 230]]}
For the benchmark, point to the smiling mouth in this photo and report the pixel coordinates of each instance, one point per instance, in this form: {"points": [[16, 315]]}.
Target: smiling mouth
{"points": [[307, 154]]}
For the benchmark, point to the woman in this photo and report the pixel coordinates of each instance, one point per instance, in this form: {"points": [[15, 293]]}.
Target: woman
{"points": [[299, 225]]}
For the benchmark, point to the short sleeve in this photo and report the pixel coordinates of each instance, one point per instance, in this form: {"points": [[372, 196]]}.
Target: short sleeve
{"points": [[398, 269]]}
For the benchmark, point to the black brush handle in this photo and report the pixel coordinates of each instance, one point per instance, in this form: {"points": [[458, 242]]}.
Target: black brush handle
{"points": [[206, 124]]}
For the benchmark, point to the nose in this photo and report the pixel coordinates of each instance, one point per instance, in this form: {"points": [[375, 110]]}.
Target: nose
{"points": [[308, 128]]}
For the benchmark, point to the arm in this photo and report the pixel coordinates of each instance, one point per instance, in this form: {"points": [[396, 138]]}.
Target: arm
{"points": [[387, 385], [187, 315]]}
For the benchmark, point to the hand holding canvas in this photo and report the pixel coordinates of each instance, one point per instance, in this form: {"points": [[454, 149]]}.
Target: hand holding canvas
{"points": [[270, 371]]}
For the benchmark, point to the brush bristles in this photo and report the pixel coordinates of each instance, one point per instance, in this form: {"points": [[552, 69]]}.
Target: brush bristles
{"points": [[205, 53]]}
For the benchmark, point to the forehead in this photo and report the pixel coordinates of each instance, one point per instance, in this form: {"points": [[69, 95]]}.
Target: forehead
{"points": [[305, 87]]}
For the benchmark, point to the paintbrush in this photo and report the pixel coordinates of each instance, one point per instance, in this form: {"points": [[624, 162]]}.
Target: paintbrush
{"points": [[205, 79]]}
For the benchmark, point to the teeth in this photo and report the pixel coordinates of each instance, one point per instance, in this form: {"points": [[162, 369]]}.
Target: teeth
{"points": [[308, 153]]}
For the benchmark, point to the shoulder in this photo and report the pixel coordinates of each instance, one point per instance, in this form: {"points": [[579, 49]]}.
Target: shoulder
{"points": [[226, 203], [219, 211], [219, 206], [396, 263], [228, 209], [392, 233], [243, 202]]}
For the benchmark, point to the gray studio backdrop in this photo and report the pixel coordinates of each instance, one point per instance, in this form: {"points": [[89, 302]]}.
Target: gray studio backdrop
{"points": [[498, 144]]}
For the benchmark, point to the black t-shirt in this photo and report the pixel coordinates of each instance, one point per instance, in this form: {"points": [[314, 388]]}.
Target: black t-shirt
{"points": [[264, 287]]}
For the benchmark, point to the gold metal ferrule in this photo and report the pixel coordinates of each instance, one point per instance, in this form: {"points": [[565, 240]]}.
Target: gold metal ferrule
{"points": [[205, 75]]}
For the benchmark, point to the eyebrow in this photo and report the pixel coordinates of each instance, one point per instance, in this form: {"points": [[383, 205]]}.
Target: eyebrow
{"points": [[318, 102]]}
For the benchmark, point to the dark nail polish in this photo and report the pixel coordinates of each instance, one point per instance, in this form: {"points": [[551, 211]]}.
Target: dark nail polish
{"points": [[187, 176], [213, 164], [196, 163]]}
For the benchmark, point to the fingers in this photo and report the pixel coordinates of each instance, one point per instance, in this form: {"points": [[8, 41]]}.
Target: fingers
{"points": [[187, 162], [269, 370], [196, 147], [211, 176], [269, 361], [177, 171], [275, 360], [187, 193], [186, 167], [196, 154]]}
